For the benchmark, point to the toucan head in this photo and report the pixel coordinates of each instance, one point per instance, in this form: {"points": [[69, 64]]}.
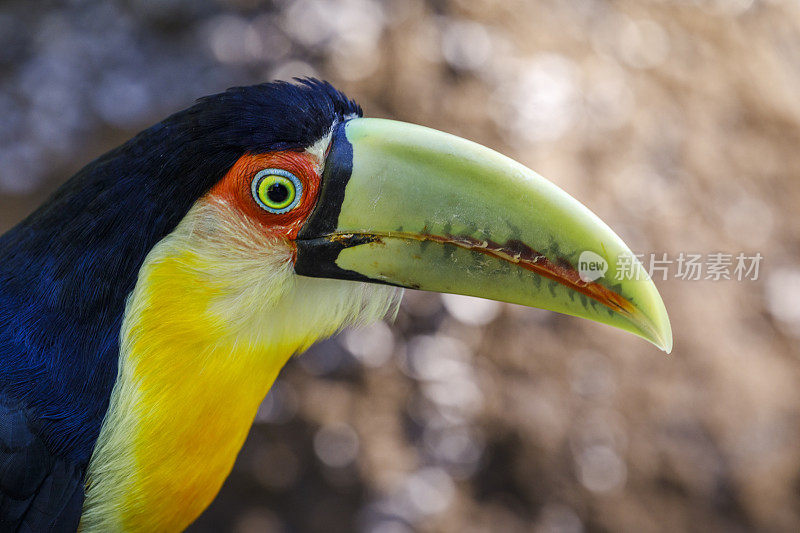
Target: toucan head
{"points": [[321, 200]]}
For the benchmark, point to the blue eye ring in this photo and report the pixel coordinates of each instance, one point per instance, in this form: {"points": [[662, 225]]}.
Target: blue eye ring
{"points": [[276, 190]]}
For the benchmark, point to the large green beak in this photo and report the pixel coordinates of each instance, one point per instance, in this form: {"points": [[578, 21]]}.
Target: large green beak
{"points": [[415, 207]]}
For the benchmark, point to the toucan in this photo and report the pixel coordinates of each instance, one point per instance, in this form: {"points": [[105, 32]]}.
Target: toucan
{"points": [[148, 305]]}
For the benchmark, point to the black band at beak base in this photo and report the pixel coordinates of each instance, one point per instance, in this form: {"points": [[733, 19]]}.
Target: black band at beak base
{"points": [[338, 168]]}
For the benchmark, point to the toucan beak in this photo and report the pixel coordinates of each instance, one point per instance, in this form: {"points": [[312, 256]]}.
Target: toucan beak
{"points": [[415, 207]]}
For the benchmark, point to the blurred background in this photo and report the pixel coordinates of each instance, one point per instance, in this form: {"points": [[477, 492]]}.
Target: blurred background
{"points": [[676, 121]]}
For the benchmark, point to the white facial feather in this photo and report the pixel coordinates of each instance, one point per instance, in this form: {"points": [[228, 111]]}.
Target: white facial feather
{"points": [[262, 297]]}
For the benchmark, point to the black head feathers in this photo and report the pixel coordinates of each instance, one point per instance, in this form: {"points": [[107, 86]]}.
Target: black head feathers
{"points": [[270, 116], [198, 145]]}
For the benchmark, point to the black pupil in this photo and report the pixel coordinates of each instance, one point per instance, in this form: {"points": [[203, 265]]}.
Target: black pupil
{"points": [[277, 193]]}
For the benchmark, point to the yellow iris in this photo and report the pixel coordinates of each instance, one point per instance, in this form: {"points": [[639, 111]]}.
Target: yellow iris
{"points": [[276, 192]]}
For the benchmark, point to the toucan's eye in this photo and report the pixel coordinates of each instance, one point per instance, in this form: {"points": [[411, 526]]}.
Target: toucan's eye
{"points": [[277, 190]]}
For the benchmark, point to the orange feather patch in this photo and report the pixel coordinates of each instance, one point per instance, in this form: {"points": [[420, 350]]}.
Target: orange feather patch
{"points": [[234, 188]]}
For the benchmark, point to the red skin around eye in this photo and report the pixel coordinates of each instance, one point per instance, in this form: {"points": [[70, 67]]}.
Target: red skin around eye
{"points": [[235, 189]]}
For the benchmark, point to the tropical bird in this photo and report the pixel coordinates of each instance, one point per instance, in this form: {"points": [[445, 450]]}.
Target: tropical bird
{"points": [[147, 306]]}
